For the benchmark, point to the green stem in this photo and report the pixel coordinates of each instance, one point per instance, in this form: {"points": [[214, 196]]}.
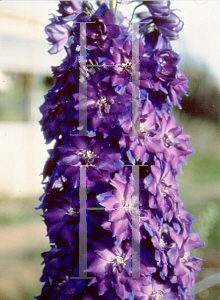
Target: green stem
{"points": [[133, 14], [114, 5], [116, 8]]}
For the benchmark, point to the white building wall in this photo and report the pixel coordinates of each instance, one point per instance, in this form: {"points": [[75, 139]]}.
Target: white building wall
{"points": [[22, 157], [23, 49]]}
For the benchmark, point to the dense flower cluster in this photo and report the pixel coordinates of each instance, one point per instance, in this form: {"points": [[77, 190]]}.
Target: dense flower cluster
{"points": [[158, 223]]}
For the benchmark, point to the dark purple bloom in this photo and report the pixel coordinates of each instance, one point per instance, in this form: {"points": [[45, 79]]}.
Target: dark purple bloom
{"points": [[163, 188], [120, 207], [99, 157], [119, 66], [110, 266], [167, 61], [180, 258], [62, 218], [105, 108], [106, 28], [159, 8], [174, 145], [148, 69], [158, 290], [67, 8], [56, 118], [60, 266], [119, 214], [147, 140], [157, 72], [166, 22], [177, 87]]}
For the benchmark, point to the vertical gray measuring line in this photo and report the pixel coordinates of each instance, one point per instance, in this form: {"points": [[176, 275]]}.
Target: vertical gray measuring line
{"points": [[82, 82], [83, 223], [135, 224], [135, 79], [135, 169], [82, 226]]}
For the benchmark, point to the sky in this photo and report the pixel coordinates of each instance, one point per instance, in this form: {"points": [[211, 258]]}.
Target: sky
{"points": [[201, 32], [200, 36]]}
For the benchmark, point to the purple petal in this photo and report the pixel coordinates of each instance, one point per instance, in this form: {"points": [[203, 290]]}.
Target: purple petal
{"points": [[119, 226], [98, 267], [116, 215]]}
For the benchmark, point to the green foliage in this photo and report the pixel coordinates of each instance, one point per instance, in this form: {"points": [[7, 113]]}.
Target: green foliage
{"points": [[204, 94], [15, 211]]}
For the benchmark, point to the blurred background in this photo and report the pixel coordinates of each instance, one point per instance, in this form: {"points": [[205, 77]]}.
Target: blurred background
{"points": [[25, 77]]}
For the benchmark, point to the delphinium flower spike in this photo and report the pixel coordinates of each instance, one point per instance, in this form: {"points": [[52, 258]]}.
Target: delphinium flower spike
{"points": [[138, 235]]}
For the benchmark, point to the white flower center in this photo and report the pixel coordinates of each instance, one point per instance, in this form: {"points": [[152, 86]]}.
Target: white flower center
{"points": [[127, 207], [71, 212], [158, 295], [162, 243], [104, 104], [168, 141], [126, 65], [163, 187], [184, 259], [88, 155], [102, 101], [118, 261]]}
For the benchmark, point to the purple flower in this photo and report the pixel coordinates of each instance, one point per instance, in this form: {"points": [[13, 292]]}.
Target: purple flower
{"points": [[59, 31], [56, 118], [99, 157], [177, 87], [169, 25], [148, 69], [58, 34], [119, 66], [167, 61], [119, 215], [174, 145], [179, 257], [106, 28], [67, 8], [161, 8], [109, 262], [163, 188], [104, 108], [119, 205], [166, 22], [147, 140], [157, 72], [110, 266], [158, 290], [62, 218], [60, 266]]}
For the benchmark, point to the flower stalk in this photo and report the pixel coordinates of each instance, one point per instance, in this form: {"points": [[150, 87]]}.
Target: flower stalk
{"points": [[114, 4], [111, 205]]}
